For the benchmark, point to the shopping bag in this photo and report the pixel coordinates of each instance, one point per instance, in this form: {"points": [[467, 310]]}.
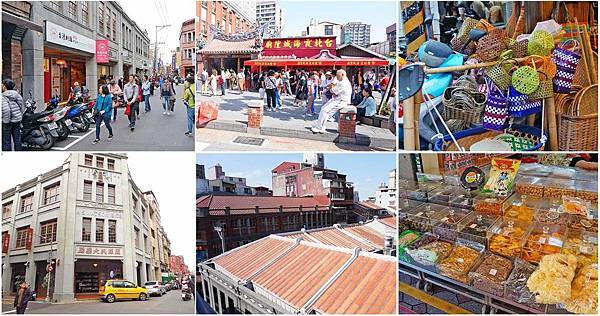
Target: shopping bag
{"points": [[207, 111], [127, 110]]}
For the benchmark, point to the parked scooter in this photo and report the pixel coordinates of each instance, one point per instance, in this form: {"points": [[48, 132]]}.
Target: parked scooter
{"points": [[39, 129], [186, 291]]}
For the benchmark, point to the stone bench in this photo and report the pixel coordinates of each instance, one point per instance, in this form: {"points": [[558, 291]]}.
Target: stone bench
{"points": [[375, 120]]}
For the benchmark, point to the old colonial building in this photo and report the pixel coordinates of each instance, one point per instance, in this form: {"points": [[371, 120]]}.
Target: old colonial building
{"points": [[187, 49], [85, 221]]}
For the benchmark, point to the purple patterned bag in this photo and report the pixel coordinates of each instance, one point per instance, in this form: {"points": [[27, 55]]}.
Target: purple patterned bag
{"points": [[519, 104], [566, 63], [495, 112]]}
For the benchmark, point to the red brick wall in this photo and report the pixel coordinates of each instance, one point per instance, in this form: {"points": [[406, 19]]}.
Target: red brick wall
{"points": [[255, 116], [13, 68]]}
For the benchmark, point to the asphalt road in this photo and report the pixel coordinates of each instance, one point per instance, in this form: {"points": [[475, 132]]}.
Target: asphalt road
{"points": [[154, 131], [170, 303]]}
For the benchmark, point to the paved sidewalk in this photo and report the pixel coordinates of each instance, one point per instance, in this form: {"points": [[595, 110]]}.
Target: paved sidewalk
{"points": [[291, 121]]}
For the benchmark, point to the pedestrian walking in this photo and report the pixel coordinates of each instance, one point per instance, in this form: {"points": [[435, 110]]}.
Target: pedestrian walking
{"points": [[341, 90], [172, 97], [116, 93], [324, 85], [130, 92], [313, 84], [12, 115], [165, 93], [205, 81], [270, 86], [190, 103], [248, 80], [102, 112], [285, 79], [222, 83], [278, 87], [241, 80], [213, 83], [146, 87], [22, 297], [140, 97]]}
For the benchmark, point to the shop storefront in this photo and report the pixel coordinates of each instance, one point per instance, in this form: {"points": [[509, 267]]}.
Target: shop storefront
{"points": [[65, 55], [90, 274], [18, 274], [498, 233]]}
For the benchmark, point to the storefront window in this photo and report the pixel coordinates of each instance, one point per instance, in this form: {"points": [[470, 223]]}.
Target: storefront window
{"points": [[90, 274], [87, 190], [99, 230], [21, 240], [26, 203], [86, 229], [51, 193], [112, 231], [48, 232]]}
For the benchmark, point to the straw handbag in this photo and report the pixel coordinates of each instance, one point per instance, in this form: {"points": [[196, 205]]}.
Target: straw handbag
{"points": [[491, 45]]}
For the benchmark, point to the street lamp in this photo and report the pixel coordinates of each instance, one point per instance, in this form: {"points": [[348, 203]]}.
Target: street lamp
{"points": [[220, 232]]}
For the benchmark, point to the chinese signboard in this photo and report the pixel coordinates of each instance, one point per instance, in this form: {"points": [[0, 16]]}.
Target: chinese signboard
{"points": [[62, 36], [301, 47], [29, 240], [95, 251], [317, 62], [5, 242], [101, 51]]}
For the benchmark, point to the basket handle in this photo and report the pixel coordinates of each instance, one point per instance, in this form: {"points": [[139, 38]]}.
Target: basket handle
{"points": [[574, 48], [543, 73]]}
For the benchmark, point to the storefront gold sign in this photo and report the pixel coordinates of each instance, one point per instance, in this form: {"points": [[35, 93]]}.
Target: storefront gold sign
{"points": [[98, 251]]}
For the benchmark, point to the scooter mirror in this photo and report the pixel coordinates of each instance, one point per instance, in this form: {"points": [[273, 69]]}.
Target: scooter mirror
{"points": [[410, 79]]}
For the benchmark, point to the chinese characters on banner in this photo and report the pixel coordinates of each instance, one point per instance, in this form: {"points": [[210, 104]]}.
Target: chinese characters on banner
{"points": [[101, 51], [301, 47], [29, 240], [98, 251], [5, 242]]}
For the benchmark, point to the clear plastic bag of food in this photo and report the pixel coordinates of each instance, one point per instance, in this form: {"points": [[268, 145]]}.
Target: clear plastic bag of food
{"points": [[577, 206], [584, 291]]}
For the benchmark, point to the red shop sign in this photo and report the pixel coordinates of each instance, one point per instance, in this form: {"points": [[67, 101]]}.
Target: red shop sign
{"points": [[301, 47], [5, 242], [29, 238], [101, 51]]}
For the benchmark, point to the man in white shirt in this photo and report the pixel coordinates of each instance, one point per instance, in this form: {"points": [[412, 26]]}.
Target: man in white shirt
{"points": [[341, 90], [241, 80], [205, 81]]}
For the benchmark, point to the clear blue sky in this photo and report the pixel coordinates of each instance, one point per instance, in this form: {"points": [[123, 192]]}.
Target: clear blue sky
{"points": [[366, 171], [380, 14]]}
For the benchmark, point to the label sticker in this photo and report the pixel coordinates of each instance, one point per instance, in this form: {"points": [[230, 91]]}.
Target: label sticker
{"points": [[493, 271]]}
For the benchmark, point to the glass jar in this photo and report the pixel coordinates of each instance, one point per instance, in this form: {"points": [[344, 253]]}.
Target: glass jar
{"points": [[508, 237], [543, 240], [521, 207]]}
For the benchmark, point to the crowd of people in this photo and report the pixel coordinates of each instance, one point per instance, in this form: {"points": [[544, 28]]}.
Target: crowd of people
{"points": [[112, 95], [306, 87]]}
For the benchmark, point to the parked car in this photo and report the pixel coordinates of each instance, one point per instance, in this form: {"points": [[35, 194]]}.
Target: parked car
{"points": [[169, 286], [114, 290], [155, 288]]}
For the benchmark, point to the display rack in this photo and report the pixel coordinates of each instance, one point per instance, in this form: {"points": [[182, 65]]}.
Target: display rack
{"points": [[491, 304]]}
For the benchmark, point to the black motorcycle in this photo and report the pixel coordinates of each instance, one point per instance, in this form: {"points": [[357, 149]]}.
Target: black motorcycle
{"points": [[39, 129]]}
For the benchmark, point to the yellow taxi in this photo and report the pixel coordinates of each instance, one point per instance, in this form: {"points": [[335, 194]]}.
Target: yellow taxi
{"points": [[114, 290]]}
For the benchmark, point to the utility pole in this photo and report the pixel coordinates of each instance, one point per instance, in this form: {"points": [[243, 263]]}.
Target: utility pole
{"points": [[157, 28]]}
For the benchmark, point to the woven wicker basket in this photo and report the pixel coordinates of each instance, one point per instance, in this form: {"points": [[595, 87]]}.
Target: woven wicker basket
{"points": [[467, 108], [499, 75], [545, 88], [578, 125], [491, 45]]}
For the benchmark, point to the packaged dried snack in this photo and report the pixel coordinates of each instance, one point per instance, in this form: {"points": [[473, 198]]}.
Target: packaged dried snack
{"points": [[489, 204], [584, 291], [557, 188], [427, 251], [543, 240], [474, 227], [447, 228], [552, 279], [424, 217], [508, 237], [491, 274], [577, 206], [501, 176], [532, 186], [521, 207], [516, 285], [583, 245], [587, 190], [463, 257], [587, 223]]}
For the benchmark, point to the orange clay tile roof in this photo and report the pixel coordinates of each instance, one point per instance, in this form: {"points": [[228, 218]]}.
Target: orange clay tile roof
{"points": [[298, 276], [368, 234], [243, 204], [367, 286], [389, 221], [244, 261], [335, 237]]}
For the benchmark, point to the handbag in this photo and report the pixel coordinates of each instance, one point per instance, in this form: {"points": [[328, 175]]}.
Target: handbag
{"points": [[525, 79], [566, 63], [495, 112], [520, 105], [127, 110]]}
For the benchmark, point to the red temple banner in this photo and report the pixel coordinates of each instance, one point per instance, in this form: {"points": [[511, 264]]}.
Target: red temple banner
{"points": [[301, 47]]}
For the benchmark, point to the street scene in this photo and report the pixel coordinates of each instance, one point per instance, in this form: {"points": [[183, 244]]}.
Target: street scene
{"points": [[97, 233], [325, 80], [98, 75], [314, 222]]}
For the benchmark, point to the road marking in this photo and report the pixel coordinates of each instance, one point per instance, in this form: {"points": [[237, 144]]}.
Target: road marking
{"points": [[201, 146], [81, 138]]}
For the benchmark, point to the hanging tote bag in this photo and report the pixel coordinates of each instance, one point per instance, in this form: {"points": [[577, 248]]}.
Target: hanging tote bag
{"points": [[496, 108], [566, 61], [525, 79], [520, 105]]}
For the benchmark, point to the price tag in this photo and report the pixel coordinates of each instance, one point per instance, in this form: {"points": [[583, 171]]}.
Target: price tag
{"points": [[542, 240], [493, 272], [473, 225], [585, 249], [419, 214], [506, 233], [461, 260]]}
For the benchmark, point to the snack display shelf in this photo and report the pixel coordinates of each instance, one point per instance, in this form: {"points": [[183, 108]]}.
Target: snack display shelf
{"points": [[491, 303]]}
